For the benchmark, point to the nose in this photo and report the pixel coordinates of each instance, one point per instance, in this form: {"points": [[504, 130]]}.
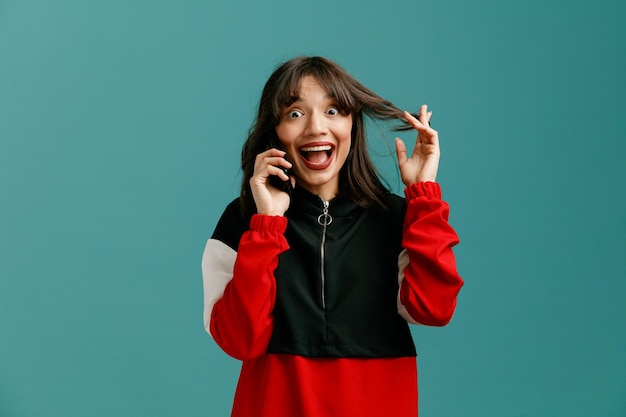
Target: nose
{"points": [[316, 124]]}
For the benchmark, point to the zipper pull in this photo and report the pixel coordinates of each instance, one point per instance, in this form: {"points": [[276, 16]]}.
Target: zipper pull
{"points": [[325, 218]]}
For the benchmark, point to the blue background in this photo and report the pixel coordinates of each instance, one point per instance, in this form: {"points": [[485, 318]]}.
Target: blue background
{"points": [[121, 124]]}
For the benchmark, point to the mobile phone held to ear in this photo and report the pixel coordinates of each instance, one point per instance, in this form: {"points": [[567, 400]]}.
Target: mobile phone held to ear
{"points": [[275, 180]]}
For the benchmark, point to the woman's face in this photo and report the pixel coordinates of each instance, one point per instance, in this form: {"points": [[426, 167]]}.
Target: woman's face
{"points": [[316, 136]]}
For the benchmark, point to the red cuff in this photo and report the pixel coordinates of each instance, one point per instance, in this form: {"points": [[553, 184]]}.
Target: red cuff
{"points": [[263, 223], [423, 189]]}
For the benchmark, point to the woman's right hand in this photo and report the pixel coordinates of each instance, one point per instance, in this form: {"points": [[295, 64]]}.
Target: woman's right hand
{"points": [[270, 200]]}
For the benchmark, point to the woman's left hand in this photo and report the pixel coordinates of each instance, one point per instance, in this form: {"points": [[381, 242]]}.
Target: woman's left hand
{"points": [[424, 162]]}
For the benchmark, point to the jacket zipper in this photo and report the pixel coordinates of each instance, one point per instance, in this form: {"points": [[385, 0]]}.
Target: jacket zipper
{"points": [[324, 220]]}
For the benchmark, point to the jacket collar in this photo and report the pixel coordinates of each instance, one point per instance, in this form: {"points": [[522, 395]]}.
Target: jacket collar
{"points": [[307, 203]]}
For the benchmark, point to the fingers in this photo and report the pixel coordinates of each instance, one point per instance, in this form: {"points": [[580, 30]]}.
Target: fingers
{"points": [[401, 151], [422, 122], [272, 158], [271, 162], [426, 134], [279, 172], [425, 115], [272, 152]]}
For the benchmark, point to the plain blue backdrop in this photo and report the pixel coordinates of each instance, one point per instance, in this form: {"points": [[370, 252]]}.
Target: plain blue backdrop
{"points": [[121, 125]]}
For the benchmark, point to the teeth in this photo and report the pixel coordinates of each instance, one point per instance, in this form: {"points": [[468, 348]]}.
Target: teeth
{"points": [[316, 148]]}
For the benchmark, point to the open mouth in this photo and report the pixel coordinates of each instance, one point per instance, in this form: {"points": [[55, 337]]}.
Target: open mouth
{"points": [[317, 156]]}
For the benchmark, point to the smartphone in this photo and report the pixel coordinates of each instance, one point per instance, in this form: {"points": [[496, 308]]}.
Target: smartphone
{"points": [[275, 180]]}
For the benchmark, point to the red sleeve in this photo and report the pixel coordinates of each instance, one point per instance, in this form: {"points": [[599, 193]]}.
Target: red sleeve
{"points": [[241, 321], [429, 282]]}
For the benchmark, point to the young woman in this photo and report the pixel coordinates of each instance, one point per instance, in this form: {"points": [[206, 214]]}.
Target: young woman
{"points": [[313, 274]]}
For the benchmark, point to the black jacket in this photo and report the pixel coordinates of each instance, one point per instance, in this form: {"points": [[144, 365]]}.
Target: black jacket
{"points": [[337, 286]]}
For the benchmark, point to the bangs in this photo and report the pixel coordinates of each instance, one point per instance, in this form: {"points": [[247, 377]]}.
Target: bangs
{"points": [[336, 84]]}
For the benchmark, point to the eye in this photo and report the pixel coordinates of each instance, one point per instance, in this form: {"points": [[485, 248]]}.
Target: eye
{"points": [[333, 111], [293, 114]]}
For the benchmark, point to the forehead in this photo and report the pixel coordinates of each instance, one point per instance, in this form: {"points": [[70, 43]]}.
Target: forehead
{"points": [[299, 86], [309, 86]]}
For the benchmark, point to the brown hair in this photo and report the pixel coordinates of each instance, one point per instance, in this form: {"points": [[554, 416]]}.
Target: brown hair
{"points": [[358, 178]]}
